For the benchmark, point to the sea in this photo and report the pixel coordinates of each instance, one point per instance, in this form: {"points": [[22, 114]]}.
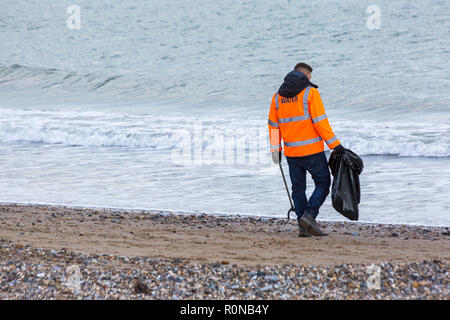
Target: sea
{"points": [[163, 105]]}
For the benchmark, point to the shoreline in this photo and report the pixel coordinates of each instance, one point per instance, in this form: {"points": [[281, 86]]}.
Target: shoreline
{"points": [[200, 212], [200, 256]]}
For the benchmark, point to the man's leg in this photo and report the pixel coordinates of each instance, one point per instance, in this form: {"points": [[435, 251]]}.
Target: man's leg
{"points": [[322, 180], [298, 179], [317, 165]]}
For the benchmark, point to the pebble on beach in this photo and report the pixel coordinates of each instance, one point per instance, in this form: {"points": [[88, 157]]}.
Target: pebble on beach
{"points": [[35, 273]]}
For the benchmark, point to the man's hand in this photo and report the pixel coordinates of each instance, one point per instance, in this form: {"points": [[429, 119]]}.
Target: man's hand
{"points": [[276, 157], [339, 149]]}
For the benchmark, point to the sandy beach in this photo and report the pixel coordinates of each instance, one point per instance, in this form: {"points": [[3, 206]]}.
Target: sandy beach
{"points": [[154, 249]]}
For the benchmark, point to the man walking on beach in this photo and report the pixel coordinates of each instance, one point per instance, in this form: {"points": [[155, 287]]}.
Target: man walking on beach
{"points": [[297, 116]]}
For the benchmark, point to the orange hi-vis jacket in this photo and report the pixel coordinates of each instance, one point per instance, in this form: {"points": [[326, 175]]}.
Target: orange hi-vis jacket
{"points": [[302, 122]]}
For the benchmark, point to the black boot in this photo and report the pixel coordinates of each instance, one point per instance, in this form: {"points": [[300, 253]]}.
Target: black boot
{"points": [[302, 233], [308, 222]]}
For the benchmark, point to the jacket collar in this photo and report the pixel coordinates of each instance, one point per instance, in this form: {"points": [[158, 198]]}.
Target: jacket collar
{"points": [[294, 83]]}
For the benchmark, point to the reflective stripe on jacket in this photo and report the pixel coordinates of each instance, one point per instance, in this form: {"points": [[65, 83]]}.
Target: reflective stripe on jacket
{"points": [[302, 122]]}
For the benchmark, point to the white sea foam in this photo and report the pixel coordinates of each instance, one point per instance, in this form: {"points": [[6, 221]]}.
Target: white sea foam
{"points": [[71, 128]]}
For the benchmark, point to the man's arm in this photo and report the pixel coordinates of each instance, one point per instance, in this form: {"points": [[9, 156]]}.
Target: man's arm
{"points": [[274, 132], [320, 120]]}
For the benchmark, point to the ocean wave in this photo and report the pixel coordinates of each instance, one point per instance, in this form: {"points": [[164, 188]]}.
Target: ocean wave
{"points": [[406, 139], [22, 77], [87, 128], [22, 82]]}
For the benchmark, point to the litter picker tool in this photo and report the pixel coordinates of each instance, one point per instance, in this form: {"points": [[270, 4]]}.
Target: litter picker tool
{"points": [[289, 196]]}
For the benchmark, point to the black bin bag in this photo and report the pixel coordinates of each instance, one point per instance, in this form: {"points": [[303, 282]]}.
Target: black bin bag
{"points": [[345, 190]]}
